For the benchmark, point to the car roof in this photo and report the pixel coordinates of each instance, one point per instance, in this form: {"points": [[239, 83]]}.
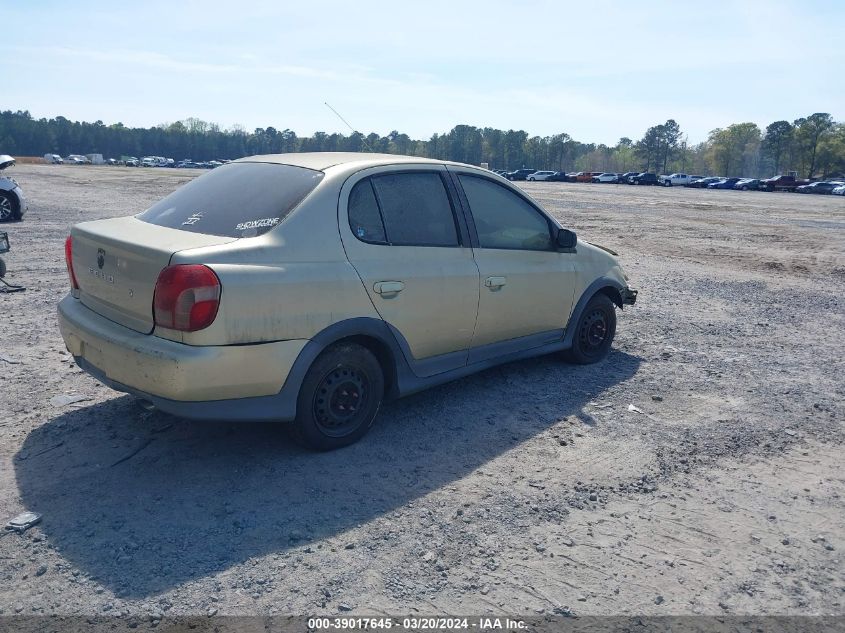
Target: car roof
{"points": [[324, 160]]}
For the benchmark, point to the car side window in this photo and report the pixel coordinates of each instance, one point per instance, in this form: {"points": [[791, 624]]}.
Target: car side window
{"points": [[416, 209], [503, 219], [364, 215]]}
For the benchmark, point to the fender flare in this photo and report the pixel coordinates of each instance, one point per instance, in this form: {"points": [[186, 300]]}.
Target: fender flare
{"points": [[389, 354], [598, 285]]}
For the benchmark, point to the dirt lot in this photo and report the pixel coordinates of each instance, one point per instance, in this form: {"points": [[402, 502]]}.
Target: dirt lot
{"points": [[530, 488]]}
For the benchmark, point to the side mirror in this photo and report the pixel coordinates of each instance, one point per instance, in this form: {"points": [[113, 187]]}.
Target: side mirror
{"points": [[566, 238]]}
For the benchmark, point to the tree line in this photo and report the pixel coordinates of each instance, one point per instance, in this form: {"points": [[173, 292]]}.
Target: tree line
{"points": [[813, 146]]}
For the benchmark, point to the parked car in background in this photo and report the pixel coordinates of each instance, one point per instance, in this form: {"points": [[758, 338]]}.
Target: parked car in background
{"points": [[645, 178], [228, 319], [53, 159], [839, 190], [702, 183], [586, 176], [131, 162], [822, 187], [624, 177], [539, 175], [745, 184], [77, 159], [12, 202], [675, 180], [606, 177], [519, 174], [558, 176], [723, 183], [787, 182]]}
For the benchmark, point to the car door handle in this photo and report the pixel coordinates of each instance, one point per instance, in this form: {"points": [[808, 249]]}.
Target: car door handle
{"points": [[495, 282], [388, 287]]}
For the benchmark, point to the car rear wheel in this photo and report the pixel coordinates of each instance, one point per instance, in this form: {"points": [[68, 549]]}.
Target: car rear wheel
{"points": [[594, 331], [339, 398], [8, 207]]}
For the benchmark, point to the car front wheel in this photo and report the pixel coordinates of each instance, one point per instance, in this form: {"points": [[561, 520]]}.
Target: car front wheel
{"points": [[594, 331], [8, 207], [339, 398]]}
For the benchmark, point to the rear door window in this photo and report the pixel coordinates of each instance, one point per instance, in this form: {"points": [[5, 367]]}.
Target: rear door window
{"points": [[403, 209], [364, 214], [235, 200]]}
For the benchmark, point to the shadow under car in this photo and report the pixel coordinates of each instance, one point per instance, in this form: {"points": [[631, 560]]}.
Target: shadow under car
{"points": [[144, 502]]}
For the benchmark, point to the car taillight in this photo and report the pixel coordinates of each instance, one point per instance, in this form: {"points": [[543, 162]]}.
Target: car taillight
{"points": [[69, 261], [186, 297]]}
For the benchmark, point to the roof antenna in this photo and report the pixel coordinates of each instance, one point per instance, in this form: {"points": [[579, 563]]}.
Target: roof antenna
{"points": [[354, 131]]}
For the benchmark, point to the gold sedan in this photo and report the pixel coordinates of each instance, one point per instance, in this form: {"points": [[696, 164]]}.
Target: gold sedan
{"points": [[310, 287]]}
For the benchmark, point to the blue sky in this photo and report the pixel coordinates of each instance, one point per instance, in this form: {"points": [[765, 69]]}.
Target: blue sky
{"points": [[597, 71]]}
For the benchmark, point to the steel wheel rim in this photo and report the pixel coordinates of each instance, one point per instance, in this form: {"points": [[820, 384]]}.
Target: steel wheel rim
{"points": [[593, 332], [340, 401]]}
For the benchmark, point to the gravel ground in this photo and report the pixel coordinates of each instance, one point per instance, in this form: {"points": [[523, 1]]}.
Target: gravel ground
{"points": [[527, 489]]}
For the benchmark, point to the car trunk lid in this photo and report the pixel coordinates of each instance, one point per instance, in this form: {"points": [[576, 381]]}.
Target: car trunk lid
{"points": [[117, 262]]}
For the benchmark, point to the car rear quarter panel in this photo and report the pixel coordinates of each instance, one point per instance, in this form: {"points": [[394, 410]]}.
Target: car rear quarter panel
{"points": [[290, 283]]}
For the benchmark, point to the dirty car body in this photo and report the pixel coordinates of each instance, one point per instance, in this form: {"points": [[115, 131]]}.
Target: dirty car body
{"points": [[310, 287], [12, 201]]}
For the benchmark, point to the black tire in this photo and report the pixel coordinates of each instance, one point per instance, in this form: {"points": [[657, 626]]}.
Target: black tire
{"points": [[339, 398], [744, 187], [2, 268], [9, 207], [594, 331]]}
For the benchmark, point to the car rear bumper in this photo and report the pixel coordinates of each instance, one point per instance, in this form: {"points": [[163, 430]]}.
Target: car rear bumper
{"points": [[182, 379]]}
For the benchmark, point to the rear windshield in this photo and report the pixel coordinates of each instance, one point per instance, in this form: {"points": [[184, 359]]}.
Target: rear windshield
{"points": [[235, 200]]}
